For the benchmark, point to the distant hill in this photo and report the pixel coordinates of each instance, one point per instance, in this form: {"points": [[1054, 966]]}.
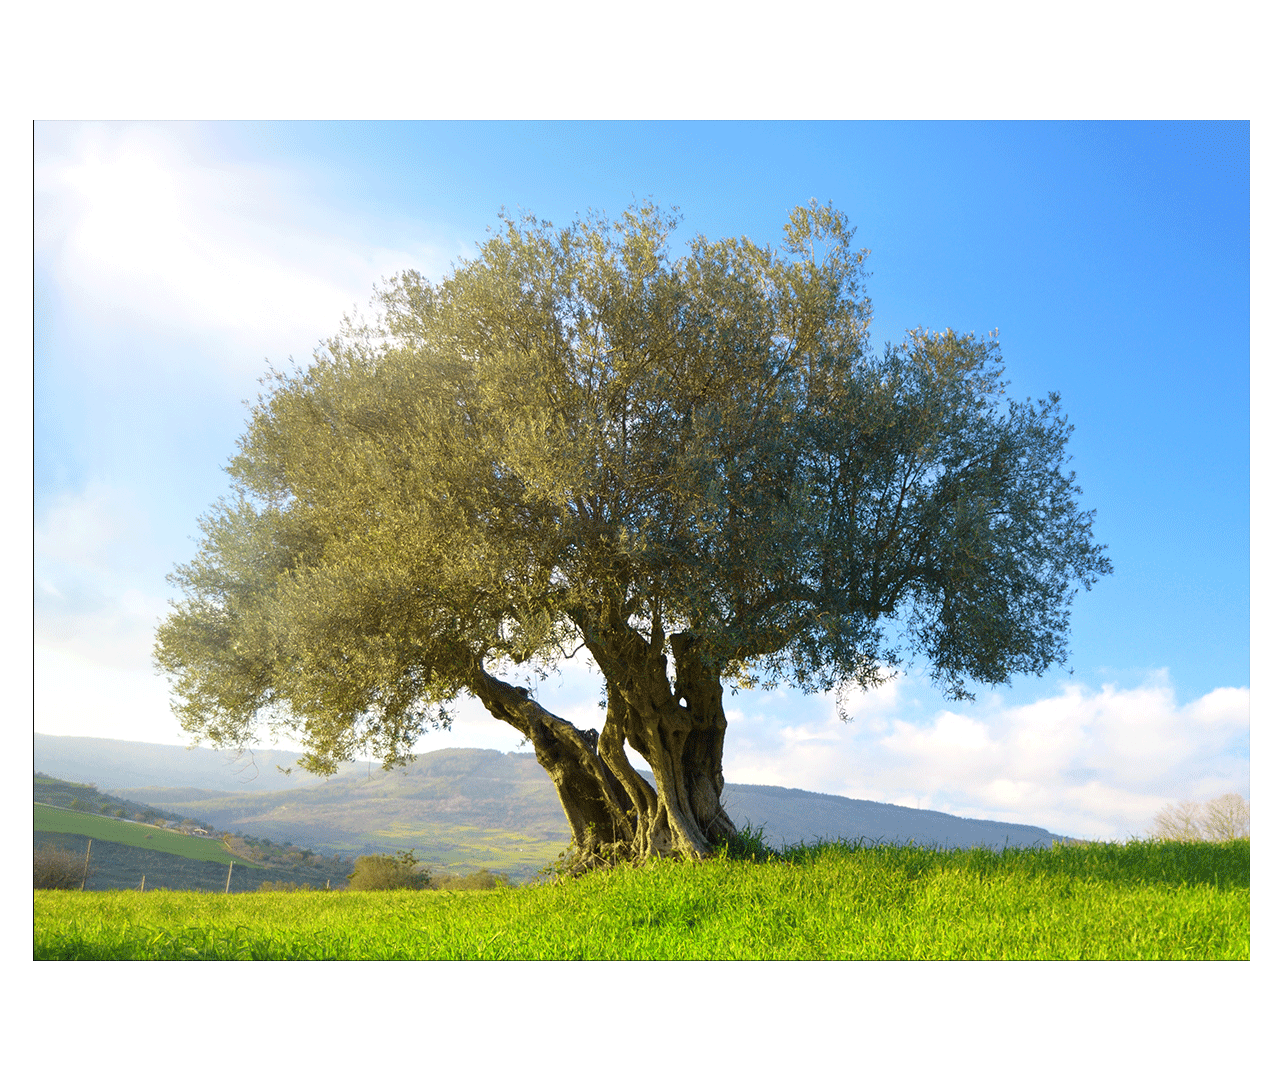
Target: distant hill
{"points": [[115, 763], [790, 816], [461, 809]]}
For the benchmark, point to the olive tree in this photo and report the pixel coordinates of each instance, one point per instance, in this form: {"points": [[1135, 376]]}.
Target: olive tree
{"points": [[695, 468]]}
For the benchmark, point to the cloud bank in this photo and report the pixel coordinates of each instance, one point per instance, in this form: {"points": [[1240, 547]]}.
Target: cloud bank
{"points": [[1091, 763]]}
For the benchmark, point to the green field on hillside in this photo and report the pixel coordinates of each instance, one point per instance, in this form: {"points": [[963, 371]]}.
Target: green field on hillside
{"points": [[1146, 900], [58, 820], [461, 810]]}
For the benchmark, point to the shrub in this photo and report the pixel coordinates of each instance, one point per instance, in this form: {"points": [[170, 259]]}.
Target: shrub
{"points": [[398, 871], [480, 879], [58, 868]]}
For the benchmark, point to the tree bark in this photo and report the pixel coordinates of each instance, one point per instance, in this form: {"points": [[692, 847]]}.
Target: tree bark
{"points": [[593, 799], [676, 726], [615, 814]]}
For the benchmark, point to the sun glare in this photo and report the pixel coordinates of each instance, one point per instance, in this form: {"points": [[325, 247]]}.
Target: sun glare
{"points": [[130, 209]]}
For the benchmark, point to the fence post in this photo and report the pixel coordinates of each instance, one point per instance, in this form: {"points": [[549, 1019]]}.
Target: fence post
{"points": [[85, 876], [142, 886], [229, 878]]}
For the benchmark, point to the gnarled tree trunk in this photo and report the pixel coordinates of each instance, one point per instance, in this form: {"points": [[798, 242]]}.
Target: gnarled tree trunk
{"points": [[677, 727], [595, 803]]}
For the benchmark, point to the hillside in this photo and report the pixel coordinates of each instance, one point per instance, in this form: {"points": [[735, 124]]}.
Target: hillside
{"points": [[458, 809], [53, 819], [115, 865], [790, 816], [132, 839], [463, 809]]}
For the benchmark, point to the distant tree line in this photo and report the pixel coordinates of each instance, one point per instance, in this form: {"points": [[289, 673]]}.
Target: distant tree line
{"points": [[1223, 818], [286, 856]]}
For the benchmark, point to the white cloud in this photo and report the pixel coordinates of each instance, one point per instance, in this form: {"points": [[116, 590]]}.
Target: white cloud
{"points": [[96, 583], [1085, 763], [78, 694]]}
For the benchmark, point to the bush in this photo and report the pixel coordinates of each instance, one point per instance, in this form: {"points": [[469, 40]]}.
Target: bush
{"points": [[398, 871], [480, 879], [58, 868]]}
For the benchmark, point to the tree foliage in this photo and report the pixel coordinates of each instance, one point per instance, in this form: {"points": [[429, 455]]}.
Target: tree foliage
{"points": [[380, 872], [695, 468]]}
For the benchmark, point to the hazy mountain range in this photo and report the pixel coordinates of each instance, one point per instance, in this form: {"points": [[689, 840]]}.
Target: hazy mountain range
{"points": [[458, 808]]}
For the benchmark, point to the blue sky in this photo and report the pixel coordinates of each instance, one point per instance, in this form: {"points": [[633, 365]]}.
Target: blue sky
{"points": [[174, 262]]}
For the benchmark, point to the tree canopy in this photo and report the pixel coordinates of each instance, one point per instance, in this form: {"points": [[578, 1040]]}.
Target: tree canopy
{"points": [[694, 467]]}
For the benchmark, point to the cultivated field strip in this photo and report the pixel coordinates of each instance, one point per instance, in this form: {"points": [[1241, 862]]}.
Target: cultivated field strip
{"points": [[56, 819]]}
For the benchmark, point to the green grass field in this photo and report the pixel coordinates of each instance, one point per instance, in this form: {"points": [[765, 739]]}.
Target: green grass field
{"points": [[56, 819], [1146, 900]]}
